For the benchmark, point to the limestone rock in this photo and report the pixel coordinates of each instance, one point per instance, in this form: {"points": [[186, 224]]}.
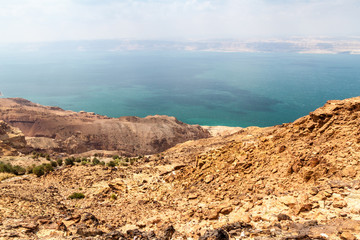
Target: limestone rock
{"points": [[289, 201], [303, 207], [339, 203], [347, 236]]}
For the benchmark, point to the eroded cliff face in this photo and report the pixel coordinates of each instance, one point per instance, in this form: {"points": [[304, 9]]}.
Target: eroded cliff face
{"points": [[11, 139], [74, 132]]}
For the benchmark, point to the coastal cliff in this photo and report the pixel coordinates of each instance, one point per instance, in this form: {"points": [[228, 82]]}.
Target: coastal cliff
{"points": [[52, 128]]}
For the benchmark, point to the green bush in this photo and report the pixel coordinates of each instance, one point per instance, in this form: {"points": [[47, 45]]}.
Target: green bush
{"points": [[113, 196], [102, 163], [48, 167], [116, 157], [38, 170], [69, 161], [132, 161], [59, 162], [95, 161], [111, 164], [18, 170], [29, 169], [42, 169], [53, 163], [5, 167], [8, 168], [77, 195]]}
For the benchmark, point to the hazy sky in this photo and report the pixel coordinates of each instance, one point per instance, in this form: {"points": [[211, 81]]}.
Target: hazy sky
{"points": [[54, 20]]}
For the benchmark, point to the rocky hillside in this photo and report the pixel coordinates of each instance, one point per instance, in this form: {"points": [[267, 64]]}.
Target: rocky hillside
{"points": [[295, 181], [76, 132]]}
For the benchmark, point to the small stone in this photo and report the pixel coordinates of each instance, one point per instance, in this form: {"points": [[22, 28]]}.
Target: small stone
{"points": [[69, 223], [343, 214], [303, 208], [349, 171], [324, 235], [239, 217], [168, 233], [283, 217], [311, 223], [339, 204], [192, 196], [226, 210], [314, 162], [288, 200], [208, 178], [214, 214], [282, 148], [257, 219], [314, 191], [154, 220], [114, 235], [89, 218], [141, 224], [338, 184], [315, 205], [328, 193], [347, 236], [89, 232], [320, 197]]}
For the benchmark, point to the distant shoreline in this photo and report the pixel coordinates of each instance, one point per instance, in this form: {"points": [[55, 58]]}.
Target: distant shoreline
{"points": [[220, 131], [302, 45]]}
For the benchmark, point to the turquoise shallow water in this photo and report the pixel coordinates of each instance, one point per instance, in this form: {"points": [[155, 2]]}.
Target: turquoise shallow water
{"points": [[207, 88]]}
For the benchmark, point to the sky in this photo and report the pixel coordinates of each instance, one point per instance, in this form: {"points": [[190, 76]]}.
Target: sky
{"points": [[59, 20]]}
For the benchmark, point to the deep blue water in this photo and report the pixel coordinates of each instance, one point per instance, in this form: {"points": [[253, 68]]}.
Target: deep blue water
{"points": [[207, 88]]}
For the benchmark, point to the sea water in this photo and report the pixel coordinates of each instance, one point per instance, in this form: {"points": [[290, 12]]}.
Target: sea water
{"points": [[206, 88]]}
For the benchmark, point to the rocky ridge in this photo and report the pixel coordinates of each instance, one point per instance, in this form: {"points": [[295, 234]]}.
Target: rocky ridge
{"points": [[294, 181], [54, 129]]}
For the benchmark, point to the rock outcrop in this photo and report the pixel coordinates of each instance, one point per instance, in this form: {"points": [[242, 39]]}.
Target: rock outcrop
{"points": [[76, 132], [11, 139]]}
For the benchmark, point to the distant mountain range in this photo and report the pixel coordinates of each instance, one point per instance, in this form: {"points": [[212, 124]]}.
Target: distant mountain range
{"points": [[323, 45]]}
